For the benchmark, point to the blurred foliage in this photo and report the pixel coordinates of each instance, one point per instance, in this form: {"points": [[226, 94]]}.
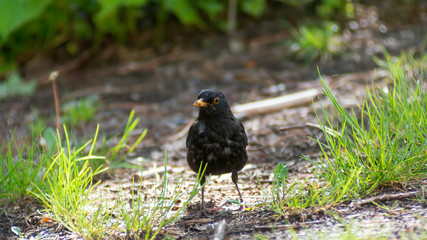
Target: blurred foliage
{"points": [[325, 8], [29, 27], [316, 42], [254, 8], [14, 86], [80, 111], [15, 13], [36, 124]]}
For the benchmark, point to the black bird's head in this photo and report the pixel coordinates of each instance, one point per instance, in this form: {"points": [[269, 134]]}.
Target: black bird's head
{"points": [[212, 104]]}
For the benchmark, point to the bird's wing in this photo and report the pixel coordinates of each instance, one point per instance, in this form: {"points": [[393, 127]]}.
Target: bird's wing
{"points": [[190, 135], [242, 132], [239, 135]]}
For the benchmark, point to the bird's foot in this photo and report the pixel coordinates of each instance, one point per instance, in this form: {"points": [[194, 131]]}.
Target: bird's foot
{"points": [[215, 209], [242, 206], [223, 207], [204, 213], [241, 203]]}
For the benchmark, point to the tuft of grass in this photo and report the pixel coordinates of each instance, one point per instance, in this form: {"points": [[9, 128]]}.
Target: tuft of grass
{"points": [[116, 155], [61, 175], [21, 165], [392, 149], [69, 181], [386, 143], [406, 62], [315, 42], [297, 195], [80, 111], [36, 125], [69, 193], [258, 236], [41, 235], [153, 208]]}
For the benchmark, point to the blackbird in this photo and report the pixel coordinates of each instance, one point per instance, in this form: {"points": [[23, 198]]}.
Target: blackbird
{"points": [[216, 142]]}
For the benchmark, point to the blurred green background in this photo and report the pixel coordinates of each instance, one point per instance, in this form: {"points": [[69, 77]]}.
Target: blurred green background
{"points": [[31, 27]]}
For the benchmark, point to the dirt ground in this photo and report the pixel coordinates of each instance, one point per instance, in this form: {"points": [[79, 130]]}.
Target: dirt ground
{"points": [[161, 88]]}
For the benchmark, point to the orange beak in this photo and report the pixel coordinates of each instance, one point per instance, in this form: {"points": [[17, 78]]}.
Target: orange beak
{"points": [[200, 103]]}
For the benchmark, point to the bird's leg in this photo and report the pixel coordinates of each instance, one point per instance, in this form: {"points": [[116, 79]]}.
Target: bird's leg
{"points": [[235, 178], [203, 211], [202, 182]]}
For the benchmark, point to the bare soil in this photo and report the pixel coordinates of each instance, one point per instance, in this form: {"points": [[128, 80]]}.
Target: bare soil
{"points": [[161, 88]]}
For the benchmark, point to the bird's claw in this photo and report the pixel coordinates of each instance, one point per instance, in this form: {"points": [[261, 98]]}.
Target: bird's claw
{"points": [[242, 207]]}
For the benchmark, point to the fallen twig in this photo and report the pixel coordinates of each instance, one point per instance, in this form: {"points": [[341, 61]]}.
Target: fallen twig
{"points": [[385, 197], [285, 226], [199, 221], [275, 104], [312, 125]]}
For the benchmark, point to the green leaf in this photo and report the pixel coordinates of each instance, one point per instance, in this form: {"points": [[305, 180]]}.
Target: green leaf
{"points": [[211, 7], [17, 231], [233, 201], [280, 172], [14, 13], [254, 8], [109, 7], [49, 136], [185, 11], [107, 17]]}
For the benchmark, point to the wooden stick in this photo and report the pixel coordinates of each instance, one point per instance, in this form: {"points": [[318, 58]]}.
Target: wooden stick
{"points": [[385, 197], [285, 226], [275, 104], [312, 125], [199, 221]]}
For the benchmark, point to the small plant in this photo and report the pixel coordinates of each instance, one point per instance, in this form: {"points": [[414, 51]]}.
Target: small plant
{"points": [[152, 208], [20, 167], [394, 148], [299, 194], [36, 125], [294, 195], [116, 154], [258, 236], [69, 182], [422, 198], [358, 160], [316, 42], [40, 236], [78, 112], [15, 86], [279, 183], [394, 65]]}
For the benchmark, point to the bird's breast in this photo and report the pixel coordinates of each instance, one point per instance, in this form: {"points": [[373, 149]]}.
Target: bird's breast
{"points": [[221, 153]]}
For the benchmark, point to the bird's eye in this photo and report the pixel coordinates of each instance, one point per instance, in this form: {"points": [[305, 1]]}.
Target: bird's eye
{"points": [[216, 100]]}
